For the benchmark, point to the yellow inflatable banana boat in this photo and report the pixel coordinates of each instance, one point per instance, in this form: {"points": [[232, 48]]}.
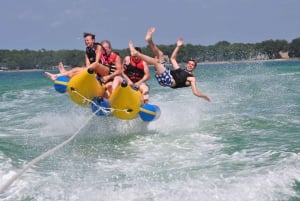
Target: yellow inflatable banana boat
{"points": [[124, 102]]}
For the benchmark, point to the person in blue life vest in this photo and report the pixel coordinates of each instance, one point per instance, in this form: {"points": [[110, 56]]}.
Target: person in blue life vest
{"points": [[136, 72], [175, 78], [94, 58]]}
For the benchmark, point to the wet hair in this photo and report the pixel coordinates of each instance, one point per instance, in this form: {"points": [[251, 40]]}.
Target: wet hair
{"points": [[138, 49], [85, 34], [193, 60]]}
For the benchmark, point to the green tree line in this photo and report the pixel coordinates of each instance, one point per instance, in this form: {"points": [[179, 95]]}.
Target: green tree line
{"points": [[221, 51]]}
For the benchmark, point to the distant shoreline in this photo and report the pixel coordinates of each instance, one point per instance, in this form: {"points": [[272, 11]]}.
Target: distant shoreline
{"points": [[200, 63], [246, 61]]}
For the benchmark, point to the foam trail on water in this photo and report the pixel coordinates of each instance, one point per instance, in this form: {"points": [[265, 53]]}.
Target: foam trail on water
{"points": [[42, 156]]}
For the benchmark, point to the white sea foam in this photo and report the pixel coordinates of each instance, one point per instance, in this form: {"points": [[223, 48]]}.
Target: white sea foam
{"points": [[241, 146]]}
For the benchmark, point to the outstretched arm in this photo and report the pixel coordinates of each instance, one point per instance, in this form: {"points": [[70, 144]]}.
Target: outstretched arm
{"points": [[195, 90], [174, 54]]}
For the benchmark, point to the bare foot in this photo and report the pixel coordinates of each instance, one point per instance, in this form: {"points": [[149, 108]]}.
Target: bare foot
{"points": [[149, 34], [133, 51], [61, 67], [51, 76]]}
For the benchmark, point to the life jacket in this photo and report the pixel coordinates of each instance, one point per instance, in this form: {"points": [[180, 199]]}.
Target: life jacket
{"points": [[91, 52], [135, 70], [180, 76], [111, 62]]}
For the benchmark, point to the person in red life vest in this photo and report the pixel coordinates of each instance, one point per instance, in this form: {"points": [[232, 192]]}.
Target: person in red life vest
{"points": [[114, 64], [175, 78], [136, 72], [94, 57]]}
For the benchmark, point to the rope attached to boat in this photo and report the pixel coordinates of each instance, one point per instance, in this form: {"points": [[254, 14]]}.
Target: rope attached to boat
{"points": [[105, 110], [42, 156]]}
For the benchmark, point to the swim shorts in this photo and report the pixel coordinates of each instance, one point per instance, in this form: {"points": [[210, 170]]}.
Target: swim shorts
{"points": [[164, 79]]}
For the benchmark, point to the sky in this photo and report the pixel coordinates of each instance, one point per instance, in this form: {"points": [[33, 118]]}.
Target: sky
{"points": [[60, 24]]}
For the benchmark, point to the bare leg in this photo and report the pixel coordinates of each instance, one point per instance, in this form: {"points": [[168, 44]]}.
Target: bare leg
{"points": [[61, 67], [108, 90], [155, 50], [150, 60], [116, 82], [145, 91], [74, 71], [111, 86], [54, 76], [100, 68], [51, 76], [70, 73]]}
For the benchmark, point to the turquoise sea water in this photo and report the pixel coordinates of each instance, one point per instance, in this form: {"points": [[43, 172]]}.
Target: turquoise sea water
{"points": [[244, 145]]}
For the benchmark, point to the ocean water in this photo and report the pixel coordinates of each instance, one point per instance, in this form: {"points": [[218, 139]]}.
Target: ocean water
{"points": [[242, 146]]}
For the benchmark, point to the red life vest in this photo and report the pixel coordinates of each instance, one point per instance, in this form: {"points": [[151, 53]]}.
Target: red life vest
{"points": [[109, 60], [138, 63], [135, 69]]}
